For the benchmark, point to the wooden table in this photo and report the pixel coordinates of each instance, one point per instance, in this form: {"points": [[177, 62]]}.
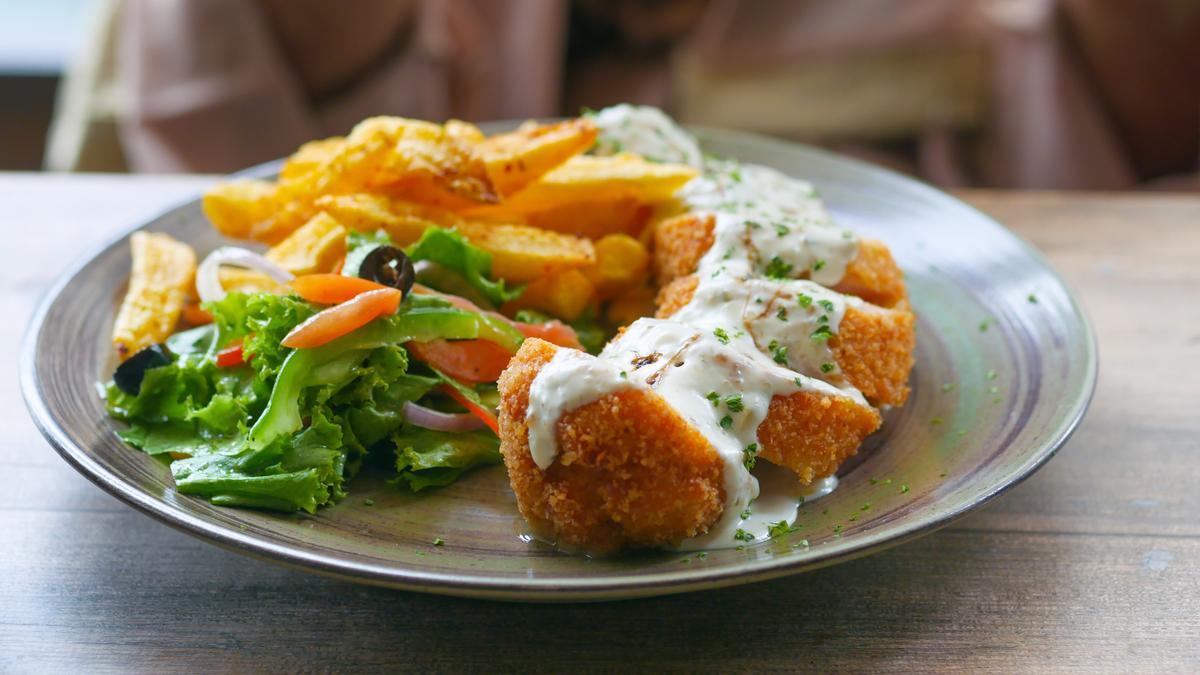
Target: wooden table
{"points": [[1092, 564]]}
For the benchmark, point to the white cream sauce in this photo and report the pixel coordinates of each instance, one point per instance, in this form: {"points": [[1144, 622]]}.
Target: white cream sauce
{"points": [[757, 327]]}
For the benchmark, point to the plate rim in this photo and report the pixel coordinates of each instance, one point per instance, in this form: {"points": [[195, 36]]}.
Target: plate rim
{"points": [[586, 588]]}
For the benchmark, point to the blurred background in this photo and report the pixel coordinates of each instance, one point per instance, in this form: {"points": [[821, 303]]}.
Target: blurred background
{"points": [[1069, 94]]}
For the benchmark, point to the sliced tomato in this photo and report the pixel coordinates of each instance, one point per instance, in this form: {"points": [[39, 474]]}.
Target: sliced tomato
{"points": [[488, 417], [334, 322], [471, 361], [330, 289], [554, 332], [231, 356]]}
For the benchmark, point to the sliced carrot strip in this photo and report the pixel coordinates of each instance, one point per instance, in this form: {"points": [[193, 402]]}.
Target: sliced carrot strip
{"points": [[195, 316], [471, 361], [334, 322], [330, 289], [554, 332], [488, 417]]}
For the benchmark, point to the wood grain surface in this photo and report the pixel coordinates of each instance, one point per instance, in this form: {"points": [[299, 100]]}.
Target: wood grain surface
{"points": [[1093, 564]]}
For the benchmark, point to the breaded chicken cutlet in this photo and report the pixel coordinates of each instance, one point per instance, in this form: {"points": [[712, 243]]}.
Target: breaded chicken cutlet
{"points": [[632, 473]]}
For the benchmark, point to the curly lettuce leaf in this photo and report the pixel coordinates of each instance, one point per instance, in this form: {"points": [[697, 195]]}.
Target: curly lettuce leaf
{"points": [[358, 245], [452, 251], [427, 458]]}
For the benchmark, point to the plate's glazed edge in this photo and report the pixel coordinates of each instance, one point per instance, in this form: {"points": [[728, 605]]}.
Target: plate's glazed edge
{"points": [[609, 588]]}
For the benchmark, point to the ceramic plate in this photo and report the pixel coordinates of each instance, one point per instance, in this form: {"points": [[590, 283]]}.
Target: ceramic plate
{"points": [[1005, 367]]}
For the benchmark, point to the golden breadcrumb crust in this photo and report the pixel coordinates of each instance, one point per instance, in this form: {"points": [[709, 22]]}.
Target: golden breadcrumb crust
{"points": [[873, 346], [680, 242], [813, 433], [632, 473]]}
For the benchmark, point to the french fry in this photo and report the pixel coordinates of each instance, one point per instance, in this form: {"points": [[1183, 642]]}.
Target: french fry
{"points": [[163, 270], [631, 305], [517, 159], [427, 160], [236, 208], [621, 263], [463, 130], [403, 221], [318, 246], [586, 178], [522, 254], [564, 295], [310, 156], [594, 219]]}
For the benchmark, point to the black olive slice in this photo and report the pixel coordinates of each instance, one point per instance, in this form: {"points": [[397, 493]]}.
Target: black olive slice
{"points": [[129, 375], [389, 266]]}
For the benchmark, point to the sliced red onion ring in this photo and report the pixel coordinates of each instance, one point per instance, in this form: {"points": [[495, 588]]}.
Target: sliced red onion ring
{"points": [[439, 421], [208, 275]]}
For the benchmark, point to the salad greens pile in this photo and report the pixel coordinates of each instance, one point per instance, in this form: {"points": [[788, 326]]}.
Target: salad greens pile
{"points": [[287, 428]]}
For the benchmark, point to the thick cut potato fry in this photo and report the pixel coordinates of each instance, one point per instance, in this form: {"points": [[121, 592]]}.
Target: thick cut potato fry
{"points": [[585, 178], [163, 270], [403, 221], [522, 254], [594, 219], [464, 130], [236, 208], [426, 158], [631, 305], [318, 246], [621, 263], [517, 159], [310, 156], [563, 295]]}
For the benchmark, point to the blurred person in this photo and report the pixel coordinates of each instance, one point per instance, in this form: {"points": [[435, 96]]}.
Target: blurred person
{"points": [[1095, 94]]}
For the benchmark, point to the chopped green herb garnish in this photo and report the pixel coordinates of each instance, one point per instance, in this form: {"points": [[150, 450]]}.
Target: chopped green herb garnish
{"points": [[991, 375], [824, 318], [779, 529], [827, 304], [904, 488], [865, 507], [803, 544], [837, 530], [1032, 299], [872, 481], [804, 300], [822, 333], [818, 265], [714, 398], [753, 224], [778, 269], [734, 403], [624, 375], [983, 325], [746, 514], [779, 353], [853, 517], [742, 535], [781, 314], [439, 541], [736, 175], [750, 456], [828, 367], [702, 555], [782, 229], [726, 422], [722, 336], [799, 382]]}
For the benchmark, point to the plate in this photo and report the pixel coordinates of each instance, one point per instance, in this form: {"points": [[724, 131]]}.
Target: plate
{"points": [[1005, 368]]}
